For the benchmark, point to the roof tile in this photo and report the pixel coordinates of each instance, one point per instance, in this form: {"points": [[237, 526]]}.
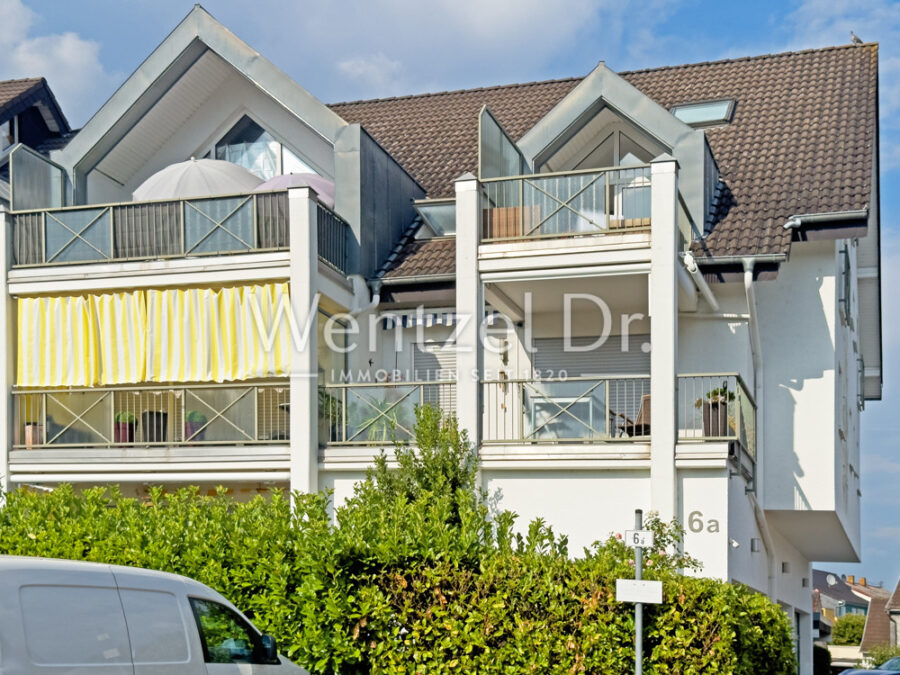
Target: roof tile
{"points": [[801, 139]]}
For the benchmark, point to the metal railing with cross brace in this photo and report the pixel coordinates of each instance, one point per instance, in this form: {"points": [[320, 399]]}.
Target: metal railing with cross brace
{"points": [[377, 413], [171, 415], [567, 410], [222, 225], [569, 204]]}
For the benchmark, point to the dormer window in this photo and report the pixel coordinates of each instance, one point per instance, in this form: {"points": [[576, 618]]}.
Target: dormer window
{"points": [[705, 113], [252, 147]]}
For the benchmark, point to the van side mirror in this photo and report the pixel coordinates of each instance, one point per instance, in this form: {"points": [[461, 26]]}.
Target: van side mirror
{"points": [[269, 648]]}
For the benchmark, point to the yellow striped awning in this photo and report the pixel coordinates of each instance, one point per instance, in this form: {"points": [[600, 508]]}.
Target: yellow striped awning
{"points": [[202, 335], [56, 343], [121, 323]]}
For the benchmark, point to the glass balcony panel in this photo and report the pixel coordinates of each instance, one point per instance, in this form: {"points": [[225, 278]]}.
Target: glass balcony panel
{"points": [[79, 235], [219, 225], [220, 415], [77, 418]]}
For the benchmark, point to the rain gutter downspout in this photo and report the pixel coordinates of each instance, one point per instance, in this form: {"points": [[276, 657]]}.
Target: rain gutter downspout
{"points": [[691, 266], [361, 301], [799, 220], [758, 382]]}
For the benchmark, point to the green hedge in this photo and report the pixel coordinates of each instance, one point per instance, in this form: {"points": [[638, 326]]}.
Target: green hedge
{"points": [[848, 629], [419, 576]]}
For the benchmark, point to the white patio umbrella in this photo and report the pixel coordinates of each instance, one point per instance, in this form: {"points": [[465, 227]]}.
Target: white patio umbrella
{"points": [[323, 187], [196, 178]]}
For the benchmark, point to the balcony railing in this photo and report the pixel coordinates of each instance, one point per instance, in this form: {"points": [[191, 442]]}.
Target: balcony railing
{"points": [[167, 229], [567, 410], [247, 414], [568, 204], [378, 413], [717, 407]]}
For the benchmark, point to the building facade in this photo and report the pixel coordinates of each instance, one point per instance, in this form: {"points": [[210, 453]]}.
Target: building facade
{"points": [[655, 290]]}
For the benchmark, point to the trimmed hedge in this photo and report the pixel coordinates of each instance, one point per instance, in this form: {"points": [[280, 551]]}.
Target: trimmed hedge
{"points": [[418, 577], [848, 629]]}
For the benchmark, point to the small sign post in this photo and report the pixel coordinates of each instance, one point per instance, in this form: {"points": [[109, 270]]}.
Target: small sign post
{"points": [[637, 590]]}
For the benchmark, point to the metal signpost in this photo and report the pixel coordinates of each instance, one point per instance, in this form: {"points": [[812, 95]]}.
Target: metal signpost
{"points": [[637, 590]]}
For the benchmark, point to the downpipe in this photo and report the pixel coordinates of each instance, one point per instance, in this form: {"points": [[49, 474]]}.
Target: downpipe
{"points": [[758, 384], [691, 266]]}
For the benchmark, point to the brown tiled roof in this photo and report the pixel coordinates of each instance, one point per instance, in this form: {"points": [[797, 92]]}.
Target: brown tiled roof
{"points": [[894, 602], [878, 624], [421, 257], [800, 141], [10, 90]]}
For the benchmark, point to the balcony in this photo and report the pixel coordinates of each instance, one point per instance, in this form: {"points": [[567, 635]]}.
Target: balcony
{"points": [[152, 416], [717, 407], [378, 413], [570, 204], [130, 231], [567, 410], [711, 408]]}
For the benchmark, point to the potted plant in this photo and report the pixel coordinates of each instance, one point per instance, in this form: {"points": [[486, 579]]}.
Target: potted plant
{"points": [[715, 411], [194, 422], [124, 427], [154, 423], [34, 434]]}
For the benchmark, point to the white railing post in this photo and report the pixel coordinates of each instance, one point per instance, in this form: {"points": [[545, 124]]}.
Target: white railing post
{"points": [[7, 314], [304, 408], [469, 307], [663, 334]]}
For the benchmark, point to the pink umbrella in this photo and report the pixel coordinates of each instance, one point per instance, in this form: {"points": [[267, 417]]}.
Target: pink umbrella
{"points": [[323, 187]]}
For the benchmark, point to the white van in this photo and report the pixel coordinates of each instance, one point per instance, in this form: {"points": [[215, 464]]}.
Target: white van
{"points": [[62, 617]]}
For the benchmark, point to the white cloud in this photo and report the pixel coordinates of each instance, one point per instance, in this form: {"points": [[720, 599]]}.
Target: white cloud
{"points": [[70, 63], [360, 48], [377, 71]]}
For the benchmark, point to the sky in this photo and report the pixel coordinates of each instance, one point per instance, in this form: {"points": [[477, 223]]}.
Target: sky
{"points": [[343, 50]]}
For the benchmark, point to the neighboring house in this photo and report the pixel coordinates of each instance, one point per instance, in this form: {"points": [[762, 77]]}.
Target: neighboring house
{"points": [[726, 213], [893, 610], [837, 596], [30, 115]]}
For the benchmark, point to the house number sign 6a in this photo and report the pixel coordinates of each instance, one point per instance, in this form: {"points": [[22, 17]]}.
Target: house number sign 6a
{"points": [[697, 523]]}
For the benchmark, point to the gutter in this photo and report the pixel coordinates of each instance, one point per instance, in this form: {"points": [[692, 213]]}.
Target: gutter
{"points": [[417, 279], [691, 266], [799, 220], [758, 388]]}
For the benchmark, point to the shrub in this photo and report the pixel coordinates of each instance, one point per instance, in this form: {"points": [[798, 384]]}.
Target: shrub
{"points": [[848, 629], [881, 653], [417, 577], [821, 660]]}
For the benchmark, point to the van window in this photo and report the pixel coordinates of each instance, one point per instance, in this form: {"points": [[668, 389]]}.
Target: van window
{"points": [[155, 627], [226, 637], [74, 625]]}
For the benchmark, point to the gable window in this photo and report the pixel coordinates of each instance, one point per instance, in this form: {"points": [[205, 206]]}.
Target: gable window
{"points": [[249, 145], [705, 113]]}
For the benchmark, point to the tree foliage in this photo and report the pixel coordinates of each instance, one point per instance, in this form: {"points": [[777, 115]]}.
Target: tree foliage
{"points": [[848, 629], [415, 574]]}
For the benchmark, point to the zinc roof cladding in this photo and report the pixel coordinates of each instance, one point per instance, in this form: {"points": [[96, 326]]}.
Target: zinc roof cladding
{"points": [[800, 140]]}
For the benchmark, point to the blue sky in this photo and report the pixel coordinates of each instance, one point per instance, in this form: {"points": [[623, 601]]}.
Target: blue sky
{"points": [[352, 49]]}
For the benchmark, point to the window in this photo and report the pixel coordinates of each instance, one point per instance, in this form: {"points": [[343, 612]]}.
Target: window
{"points": [[249, 145], [155, 627], [6, 134], [75, 626], [702, 114], [226, 636]]}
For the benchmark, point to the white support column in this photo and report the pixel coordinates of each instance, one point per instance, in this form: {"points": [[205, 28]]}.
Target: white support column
{"points": [[304, 357], [8, 336], [663, 335], [469, 307]]}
